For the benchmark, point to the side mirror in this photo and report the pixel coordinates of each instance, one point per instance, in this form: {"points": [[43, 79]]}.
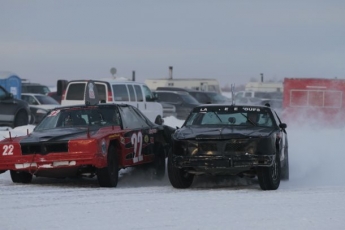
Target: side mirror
{"points": [[282, 126]]}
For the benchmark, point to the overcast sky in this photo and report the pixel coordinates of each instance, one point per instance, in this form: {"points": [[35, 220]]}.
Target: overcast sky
{"points": [[232, 41]]}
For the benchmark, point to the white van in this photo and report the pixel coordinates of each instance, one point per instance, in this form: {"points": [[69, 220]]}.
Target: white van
{"points": [[116, 91]]}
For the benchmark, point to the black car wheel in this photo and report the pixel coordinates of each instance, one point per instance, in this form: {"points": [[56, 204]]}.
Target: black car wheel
{"points": [[179, 178], [285, 170], [21, 177], [109, 176], [159, 161], [269, 177], [21, 119]]}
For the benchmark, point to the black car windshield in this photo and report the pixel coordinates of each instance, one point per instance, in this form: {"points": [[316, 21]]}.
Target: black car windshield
{"points": [[80, 116], [225, 116]]}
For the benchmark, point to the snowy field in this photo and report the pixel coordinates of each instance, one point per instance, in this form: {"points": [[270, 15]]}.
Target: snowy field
{"points": [[312, 199]]}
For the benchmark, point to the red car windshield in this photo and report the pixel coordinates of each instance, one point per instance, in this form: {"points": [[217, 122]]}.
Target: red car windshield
{"points": [[85, 116]]}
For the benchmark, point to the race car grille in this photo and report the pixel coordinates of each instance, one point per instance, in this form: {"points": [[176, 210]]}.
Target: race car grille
{"points": [[237, 145], [204, 147], [44, 148]]}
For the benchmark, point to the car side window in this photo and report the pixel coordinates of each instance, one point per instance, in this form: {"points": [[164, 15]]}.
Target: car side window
{"points": [[131, 120], [131, 92], [32, 101], [29, 99], [74, 91], [161, 97], [139, 93], [120, 92], [169, 97], [265, 120], [101, 89], [202, 98], [148, 94]]}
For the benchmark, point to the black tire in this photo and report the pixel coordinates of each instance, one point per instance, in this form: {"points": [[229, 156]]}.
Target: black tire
{"points": [[159, 120], [285, 170], [21, 119], [32, 120], [109, 176], [179, 178], [159, 163], [33, 116], [20, 177], [269, 177]]}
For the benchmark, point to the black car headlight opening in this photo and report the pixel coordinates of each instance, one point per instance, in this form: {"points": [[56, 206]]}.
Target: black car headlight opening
{"points": [[183, 148]]}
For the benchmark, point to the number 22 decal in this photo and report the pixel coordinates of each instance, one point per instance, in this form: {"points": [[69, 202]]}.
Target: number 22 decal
{"points": [[8, 150], [137, 139]]}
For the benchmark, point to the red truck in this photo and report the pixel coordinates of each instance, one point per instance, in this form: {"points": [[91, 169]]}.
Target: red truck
{"points": [[314, 101]]}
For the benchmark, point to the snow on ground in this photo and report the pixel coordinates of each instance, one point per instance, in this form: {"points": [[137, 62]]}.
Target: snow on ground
{"points": [[312, 199]]}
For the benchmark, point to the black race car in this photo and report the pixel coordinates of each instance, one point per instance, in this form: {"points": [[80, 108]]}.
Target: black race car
{"points": [[230, 140]]}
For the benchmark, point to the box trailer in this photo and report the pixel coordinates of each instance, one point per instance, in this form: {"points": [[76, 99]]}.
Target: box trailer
{"points": [[202, 84], [314, 101]]}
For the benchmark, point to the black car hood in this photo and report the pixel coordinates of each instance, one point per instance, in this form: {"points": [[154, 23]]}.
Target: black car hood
{"points": [[58, 134], [195, 132]]}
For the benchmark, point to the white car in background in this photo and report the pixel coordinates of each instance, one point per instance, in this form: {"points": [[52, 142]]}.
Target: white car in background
{"points": [[115, 91], [39, 105]]}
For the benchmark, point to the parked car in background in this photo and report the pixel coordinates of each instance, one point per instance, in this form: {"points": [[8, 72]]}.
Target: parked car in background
{"points": [[28, 87], [251, 94], [258, 94], [113, 90], [204, 97], [39, 105], [13, 112], [183, 101]]}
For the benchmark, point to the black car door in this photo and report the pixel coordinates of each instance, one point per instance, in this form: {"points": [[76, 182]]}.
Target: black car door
{"points": [[8, 106]]}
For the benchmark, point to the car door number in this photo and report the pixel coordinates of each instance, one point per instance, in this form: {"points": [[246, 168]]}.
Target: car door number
{"points": [[7, 150], [137, 141]]}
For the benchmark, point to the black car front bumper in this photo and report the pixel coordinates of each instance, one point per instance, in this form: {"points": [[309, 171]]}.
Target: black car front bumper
{"points": [[223, 162]]}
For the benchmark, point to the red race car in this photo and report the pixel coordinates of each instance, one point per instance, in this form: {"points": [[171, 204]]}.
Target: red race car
{"points": [[94, 140]]}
